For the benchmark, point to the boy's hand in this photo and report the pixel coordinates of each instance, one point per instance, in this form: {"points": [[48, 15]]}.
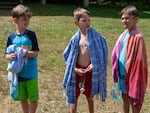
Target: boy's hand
{"points": [[89, 68], [80, 71], [11, 56]]}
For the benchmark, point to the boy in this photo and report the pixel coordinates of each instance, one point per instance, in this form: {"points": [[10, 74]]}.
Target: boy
{"points": [[28, 76], [129, 62], [86, 63]]}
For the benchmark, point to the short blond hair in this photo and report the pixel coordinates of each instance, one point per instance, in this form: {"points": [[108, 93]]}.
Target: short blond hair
{"points": [[21, 10], [79, 12]]}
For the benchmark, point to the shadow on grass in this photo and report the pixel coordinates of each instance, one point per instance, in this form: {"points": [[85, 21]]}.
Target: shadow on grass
{"points": [[67, 10]]}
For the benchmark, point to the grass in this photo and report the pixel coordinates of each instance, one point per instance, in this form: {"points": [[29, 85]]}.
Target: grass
{"points": [[54, 29]]}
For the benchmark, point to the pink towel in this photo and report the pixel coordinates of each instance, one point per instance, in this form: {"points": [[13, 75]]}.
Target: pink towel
{"points": [[136, 68]]}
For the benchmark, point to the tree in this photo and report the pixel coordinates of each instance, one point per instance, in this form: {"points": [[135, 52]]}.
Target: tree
{"points": [[85, 3]]}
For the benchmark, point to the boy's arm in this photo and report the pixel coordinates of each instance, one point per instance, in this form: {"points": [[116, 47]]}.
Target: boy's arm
{"points": [[11, 56], [31, 54]]}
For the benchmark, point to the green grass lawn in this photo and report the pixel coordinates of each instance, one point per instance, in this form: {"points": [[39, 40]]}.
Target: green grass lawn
{"points": [[54, 29]]}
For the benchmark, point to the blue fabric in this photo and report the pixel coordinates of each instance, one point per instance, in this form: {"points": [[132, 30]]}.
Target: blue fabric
{"points": [[99, 56], [29, 41], [122, 64], [14, 67], [23, 40], [122, 85], [115, 92], [122, 56]]}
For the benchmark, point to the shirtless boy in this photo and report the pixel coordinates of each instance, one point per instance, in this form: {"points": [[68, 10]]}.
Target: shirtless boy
{"points": [[86, 63]]}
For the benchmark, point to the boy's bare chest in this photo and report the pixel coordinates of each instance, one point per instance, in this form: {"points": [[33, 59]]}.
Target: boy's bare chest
{"points": [[83, 56], [83, 43]]}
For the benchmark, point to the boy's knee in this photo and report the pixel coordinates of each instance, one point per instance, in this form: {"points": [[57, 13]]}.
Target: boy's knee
{"points": [[72, 109], [89, 98]]}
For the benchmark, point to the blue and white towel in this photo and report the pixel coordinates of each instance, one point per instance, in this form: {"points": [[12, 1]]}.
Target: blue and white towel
{"points": [[14, 67], [99, 56]]}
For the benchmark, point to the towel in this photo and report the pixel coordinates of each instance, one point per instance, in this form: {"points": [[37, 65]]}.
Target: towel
{"points": [[14, 67], [136, 68], [99, 55], [115, 56]]}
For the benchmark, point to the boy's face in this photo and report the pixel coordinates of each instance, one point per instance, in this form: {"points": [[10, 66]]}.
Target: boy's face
{"points": [[84, 22], [22, 22], [128, 21]]}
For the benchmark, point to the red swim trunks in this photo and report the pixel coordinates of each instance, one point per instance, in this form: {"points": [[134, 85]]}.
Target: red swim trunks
{"points": [[87, 84]]}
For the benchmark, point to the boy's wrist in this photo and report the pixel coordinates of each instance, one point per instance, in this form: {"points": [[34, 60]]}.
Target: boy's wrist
{"points": [[26, 53], [7, 56], [75, 69]]}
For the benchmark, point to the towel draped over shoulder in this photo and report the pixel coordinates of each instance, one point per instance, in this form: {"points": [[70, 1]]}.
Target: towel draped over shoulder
{"points": [[136, 65], [98, 55]]}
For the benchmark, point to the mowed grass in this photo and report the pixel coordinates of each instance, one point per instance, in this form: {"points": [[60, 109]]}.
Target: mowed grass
{"points": [[54, 32]]}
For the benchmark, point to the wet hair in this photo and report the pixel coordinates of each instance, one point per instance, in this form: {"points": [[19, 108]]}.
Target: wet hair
{"points": [[130, 10], [21, 10], [79, 12]]}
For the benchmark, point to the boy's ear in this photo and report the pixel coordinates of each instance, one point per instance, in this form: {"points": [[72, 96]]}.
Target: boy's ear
{"points": [[136, 18], [15, 20], [75, 22]]}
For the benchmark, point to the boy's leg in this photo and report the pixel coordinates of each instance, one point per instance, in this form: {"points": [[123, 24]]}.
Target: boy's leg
{"points": [[73, 108], [22, 97], [33, 94], [88, 93], [29, 107], [126, 103], [90, 104], [134, 109], [25, 106], [33, 106]]}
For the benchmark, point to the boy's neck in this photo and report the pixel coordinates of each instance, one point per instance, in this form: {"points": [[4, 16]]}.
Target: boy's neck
{"points": [[132, 28], [83, 32], [20, 32]]}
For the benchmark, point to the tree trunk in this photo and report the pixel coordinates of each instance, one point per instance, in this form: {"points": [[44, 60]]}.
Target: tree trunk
{"points": [[43, 2], [85, 3]]}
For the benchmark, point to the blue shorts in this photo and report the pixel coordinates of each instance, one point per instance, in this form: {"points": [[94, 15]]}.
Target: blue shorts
{"points": [[122, 86]]}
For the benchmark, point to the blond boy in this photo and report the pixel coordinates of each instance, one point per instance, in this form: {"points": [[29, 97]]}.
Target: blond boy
{"points": [[86, 63]]}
